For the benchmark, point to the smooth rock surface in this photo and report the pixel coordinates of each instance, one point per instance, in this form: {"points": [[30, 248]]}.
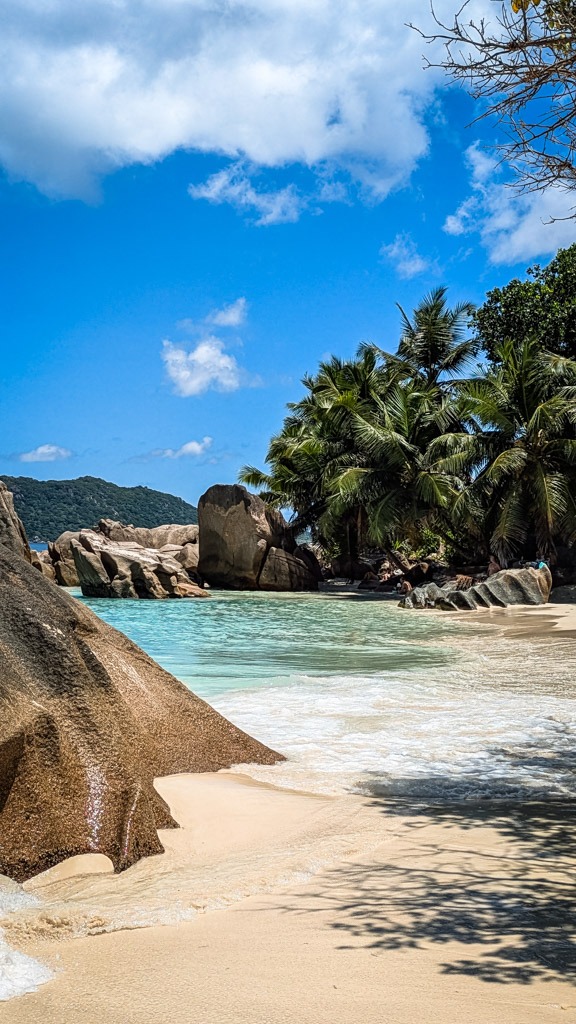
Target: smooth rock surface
{"points": [[155, 537], [244, 545], [505, 588], [283, 571], [126, 570], [88, 720]]}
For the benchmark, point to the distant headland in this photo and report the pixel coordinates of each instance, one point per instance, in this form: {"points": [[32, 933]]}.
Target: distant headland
{"points": [[50, 507]]}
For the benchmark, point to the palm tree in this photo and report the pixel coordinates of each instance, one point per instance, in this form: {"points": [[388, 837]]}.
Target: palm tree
{"points": [[521, 454], [433, 345], [354, 459]]}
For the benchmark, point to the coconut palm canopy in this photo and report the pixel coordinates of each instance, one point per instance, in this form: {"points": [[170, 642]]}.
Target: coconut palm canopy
{"points": [[390, 449]]}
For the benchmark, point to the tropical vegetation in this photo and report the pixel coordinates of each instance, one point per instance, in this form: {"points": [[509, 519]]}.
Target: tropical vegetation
{"points": [[435, 445]]}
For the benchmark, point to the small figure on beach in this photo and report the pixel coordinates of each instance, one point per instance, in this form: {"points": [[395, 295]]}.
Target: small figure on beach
{"points": [[493, 565]]}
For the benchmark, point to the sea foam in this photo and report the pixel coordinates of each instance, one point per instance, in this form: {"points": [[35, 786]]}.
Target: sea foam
{"points": [[19, 973]]}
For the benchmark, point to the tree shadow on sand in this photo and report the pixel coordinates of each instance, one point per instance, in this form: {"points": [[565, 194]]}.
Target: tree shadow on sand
{"points": [[509, 892]]}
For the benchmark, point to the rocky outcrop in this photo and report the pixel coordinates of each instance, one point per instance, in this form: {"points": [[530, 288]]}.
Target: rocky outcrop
{"points": [[41, 561], [285, 571], [244, 545], [138, 552], [158, 537], [106, 568], [505, 588], [12, 532], [62, 559], [87, 721]]}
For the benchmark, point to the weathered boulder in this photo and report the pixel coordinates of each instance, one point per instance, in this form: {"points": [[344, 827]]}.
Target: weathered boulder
{"points": [[243, 544], [155, 537], [508, 587], [350, 569], [60, 553], [87, 722], [12, 532], [283, 571], [117, 570], [181, 542], [41, 561]]}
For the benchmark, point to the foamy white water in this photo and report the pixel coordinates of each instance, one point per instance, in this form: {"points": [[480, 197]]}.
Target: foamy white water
{"points": [[18, 973], [362, 696]]}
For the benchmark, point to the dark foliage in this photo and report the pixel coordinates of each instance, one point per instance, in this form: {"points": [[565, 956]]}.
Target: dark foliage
{"points": [[49, 507], [542, 308]]}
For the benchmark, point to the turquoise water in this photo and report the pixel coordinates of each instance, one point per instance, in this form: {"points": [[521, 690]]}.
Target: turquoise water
{"points": [[235, 640], [361, 695]]}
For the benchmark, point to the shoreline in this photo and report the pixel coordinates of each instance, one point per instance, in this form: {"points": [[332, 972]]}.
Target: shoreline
{"points": [[273, 905], [423, 917]]}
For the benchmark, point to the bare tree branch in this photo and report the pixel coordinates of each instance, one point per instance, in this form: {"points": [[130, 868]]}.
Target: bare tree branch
{"points": [[522, 63]]}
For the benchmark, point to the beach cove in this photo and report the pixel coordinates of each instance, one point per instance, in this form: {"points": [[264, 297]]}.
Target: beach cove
{"points": [[438, 889]]}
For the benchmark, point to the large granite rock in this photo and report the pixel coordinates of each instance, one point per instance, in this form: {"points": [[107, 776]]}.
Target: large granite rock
{"points": [[156, 537], [87, 721], [244, 545], [285, 571], [62, 559], [505, 588], [178, 542], [41, 561], [12, 532], [115, 570]]}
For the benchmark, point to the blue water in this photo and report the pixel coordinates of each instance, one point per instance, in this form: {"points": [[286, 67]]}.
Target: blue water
{"points": [[361, 695], [235, 640]]}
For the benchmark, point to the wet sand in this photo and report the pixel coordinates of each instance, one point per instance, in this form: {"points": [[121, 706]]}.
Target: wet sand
{"points": [[343, 910]]}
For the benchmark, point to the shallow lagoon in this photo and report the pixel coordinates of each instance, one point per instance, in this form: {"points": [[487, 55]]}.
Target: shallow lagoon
{"points": [[361, 695]]}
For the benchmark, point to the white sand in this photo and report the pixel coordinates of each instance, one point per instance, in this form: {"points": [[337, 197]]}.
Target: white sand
{"points": [[336, 911]]}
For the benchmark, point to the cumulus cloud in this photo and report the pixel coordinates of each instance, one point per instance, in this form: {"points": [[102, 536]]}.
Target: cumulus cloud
{"points": [[232, 315], [404, 255], [191, 448], [45, 453], [89, 87], [206, 367], [513, 228]]}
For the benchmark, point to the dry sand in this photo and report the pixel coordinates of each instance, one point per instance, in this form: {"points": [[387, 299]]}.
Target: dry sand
{"points": [[359, 914]]}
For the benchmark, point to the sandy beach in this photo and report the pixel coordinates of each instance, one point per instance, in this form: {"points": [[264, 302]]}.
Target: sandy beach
{"points": [[328, 910]]}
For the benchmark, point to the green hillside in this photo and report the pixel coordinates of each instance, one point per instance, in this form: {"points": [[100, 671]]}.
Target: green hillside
{"points": [[48, 507]]}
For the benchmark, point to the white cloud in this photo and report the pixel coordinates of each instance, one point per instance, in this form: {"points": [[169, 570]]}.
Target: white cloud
{"points": [[233, 185], [45, 453], [229, 316], [513, 228], [403, 253], [206, 367], [89, 87], [191, 448]]}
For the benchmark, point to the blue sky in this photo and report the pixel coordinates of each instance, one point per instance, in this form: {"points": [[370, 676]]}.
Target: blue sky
{"points": [[201, 199]]}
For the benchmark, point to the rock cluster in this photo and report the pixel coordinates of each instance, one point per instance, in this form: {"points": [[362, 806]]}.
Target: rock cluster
{"points": [[87, 722], [508, 587], [244, 545], [114, 560], [107, 567]]}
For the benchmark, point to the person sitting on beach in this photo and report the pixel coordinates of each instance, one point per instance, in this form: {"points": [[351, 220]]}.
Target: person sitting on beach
{"points": [[493, 565]]}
